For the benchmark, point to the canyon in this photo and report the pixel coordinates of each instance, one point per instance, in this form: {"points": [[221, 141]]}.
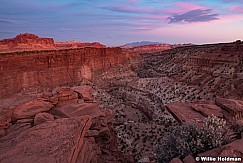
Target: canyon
{"points": [[100, 104]]}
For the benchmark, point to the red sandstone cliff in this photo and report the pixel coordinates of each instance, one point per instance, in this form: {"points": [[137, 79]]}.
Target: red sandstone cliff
{"points": [[29, 42], [26, 42], [50, 68]]}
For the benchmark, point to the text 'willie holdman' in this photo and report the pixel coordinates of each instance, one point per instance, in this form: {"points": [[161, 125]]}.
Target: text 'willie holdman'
{"points": [[219, 159]]}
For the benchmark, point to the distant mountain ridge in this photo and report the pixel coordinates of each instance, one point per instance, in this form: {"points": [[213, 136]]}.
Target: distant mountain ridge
{"points": [[28, 42], [143, 43]]}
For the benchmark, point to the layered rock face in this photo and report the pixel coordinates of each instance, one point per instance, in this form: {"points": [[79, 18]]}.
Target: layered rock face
{"points": [[46, 69], [26, 42]]}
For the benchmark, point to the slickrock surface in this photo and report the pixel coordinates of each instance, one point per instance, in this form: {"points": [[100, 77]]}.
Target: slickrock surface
{"points": [[56, 141], [188, 112]]}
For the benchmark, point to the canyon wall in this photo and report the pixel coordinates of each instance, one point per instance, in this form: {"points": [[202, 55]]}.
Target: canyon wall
{"points": [[24, 71]]}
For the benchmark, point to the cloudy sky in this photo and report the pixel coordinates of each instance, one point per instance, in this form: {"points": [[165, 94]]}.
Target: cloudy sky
{"points": [[116, 22]]}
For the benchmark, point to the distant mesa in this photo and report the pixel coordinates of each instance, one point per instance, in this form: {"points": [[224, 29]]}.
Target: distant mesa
{"points": [[26, 42], [150, 47], [30, 42], [142, 43], [75, 44]]}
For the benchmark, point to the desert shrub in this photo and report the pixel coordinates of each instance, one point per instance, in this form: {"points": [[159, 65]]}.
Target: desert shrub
{"points": [[190, 139], [214, 132]]}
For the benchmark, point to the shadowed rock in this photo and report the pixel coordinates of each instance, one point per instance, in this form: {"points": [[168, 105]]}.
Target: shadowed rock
{"points": [[54, 141], [43, 117], [29, 109]]}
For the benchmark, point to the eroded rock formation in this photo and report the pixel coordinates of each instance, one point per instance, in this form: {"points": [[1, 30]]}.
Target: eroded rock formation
{"points": [[31, 42], [26, 42], [71, 130]]}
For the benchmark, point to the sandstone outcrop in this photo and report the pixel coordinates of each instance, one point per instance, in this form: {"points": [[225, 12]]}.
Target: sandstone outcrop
{"points": [[29, 109], [26, 42], [57, 128], [31, 42], [188, 112], [55, 141], [84, 91], [43, 117]]}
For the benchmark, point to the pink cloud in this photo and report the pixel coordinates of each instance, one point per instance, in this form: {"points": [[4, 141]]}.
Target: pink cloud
{"points": [[236, 9]]}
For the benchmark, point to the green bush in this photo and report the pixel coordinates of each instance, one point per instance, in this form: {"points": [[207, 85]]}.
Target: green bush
{"points": [[190, 139]]}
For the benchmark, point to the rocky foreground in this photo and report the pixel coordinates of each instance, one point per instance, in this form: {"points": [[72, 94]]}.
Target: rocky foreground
{"points": [[110, 105], [66, 125]]}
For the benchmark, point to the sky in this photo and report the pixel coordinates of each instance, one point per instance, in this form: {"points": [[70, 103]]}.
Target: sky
{"points": [[117, 22]]}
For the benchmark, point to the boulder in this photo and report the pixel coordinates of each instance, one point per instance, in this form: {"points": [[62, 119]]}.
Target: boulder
{"points": [[53, 141], [175, 160], [31, 108], [84, 92], [5, 119], [233, 149], [64, 94], [43, 117], [230, 105], [208, 109], [77, 110], [189, 159], [184, 113]]}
